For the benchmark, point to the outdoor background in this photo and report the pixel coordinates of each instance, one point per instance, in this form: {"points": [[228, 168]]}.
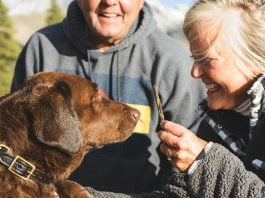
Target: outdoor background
{"points": [[20, 18]]}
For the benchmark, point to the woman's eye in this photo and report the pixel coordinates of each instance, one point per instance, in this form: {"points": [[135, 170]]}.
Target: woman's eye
{"points": [[205, 61]]}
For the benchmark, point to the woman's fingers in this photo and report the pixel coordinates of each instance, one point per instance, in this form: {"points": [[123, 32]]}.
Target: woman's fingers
{"points": [[169, 138], [173, 128], [179, 144], [168, 151]]}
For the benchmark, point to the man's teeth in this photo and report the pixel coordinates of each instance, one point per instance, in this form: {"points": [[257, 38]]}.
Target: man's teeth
{"points": [[110, 15], [211, 86]]}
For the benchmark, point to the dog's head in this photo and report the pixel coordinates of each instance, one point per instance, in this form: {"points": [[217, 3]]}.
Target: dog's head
{"points": [[70, 113]]}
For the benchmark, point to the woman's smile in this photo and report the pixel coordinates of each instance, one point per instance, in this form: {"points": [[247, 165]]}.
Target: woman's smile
{"points": [[212, 87]]}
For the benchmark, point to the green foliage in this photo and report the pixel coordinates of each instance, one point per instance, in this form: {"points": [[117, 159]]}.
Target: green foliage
{"points": [[9, 50], [54, 13]]}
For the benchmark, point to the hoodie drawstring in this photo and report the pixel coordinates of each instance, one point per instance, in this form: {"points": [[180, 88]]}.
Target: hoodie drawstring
{"points": [[118, 78], [84, 69], [90, 68], [88, 72]]}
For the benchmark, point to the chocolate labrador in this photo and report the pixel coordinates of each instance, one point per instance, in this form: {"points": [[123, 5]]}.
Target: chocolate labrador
{"points": [[47, 127]]}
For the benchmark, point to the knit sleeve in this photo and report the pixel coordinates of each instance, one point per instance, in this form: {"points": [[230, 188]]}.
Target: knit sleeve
{"points": [[219, 174]]}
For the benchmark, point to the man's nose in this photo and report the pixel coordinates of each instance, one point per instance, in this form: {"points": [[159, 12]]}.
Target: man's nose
{"points": [[110, 2]]}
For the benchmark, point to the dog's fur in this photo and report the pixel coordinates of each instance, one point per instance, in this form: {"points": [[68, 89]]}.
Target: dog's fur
{"points": [[52, 122]]}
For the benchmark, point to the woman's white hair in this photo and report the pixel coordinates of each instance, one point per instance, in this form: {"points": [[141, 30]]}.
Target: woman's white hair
{"points": [[238, 23]]}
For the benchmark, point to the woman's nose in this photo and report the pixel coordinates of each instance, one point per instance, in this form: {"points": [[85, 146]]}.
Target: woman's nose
{"points": [[196, 71]]}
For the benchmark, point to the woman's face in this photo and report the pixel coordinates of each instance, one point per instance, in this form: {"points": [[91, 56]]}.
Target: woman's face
{"points": [[226, 85], [110, 20]]}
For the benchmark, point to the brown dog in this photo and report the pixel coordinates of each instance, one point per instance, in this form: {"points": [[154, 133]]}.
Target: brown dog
{"points": [[48, 126]]}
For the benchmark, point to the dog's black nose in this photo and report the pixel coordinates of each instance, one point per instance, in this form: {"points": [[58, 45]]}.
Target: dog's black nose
{"points": [[135, 114]]}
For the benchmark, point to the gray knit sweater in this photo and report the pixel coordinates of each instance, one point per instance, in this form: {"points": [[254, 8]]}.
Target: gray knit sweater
{"points": [[219, 175]]}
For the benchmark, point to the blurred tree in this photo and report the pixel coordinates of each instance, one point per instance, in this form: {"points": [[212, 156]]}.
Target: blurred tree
{"points": [[54, 13], [9, 50]]}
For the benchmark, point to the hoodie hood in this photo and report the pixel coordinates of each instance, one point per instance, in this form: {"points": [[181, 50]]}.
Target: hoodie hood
{"points": [[75, 28]]}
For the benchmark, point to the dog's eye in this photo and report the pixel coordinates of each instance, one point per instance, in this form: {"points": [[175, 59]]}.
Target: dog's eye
{"points": [[96, 96]]}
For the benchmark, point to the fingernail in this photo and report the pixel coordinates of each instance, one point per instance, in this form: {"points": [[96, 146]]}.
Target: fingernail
{"points": [[163, 124]]}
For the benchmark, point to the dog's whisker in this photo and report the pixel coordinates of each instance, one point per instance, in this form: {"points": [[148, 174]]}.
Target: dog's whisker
{"points": [[140, 120]]}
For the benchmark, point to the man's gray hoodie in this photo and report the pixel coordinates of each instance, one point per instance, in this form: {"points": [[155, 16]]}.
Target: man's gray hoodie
{"points": [[126, 72]]}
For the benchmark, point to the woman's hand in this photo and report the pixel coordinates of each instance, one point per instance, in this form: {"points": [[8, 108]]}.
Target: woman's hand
{"points": [[180, 145]]}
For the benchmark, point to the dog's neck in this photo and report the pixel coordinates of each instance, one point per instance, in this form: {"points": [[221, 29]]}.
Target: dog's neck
{"points": [[20, 167], [14, 112]]}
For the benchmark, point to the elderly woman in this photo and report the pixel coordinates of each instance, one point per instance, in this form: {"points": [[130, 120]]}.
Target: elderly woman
{"points": [[227, 157]]}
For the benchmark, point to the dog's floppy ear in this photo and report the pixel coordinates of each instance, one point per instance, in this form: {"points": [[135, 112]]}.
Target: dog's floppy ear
{"points": [[54, 120]]}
